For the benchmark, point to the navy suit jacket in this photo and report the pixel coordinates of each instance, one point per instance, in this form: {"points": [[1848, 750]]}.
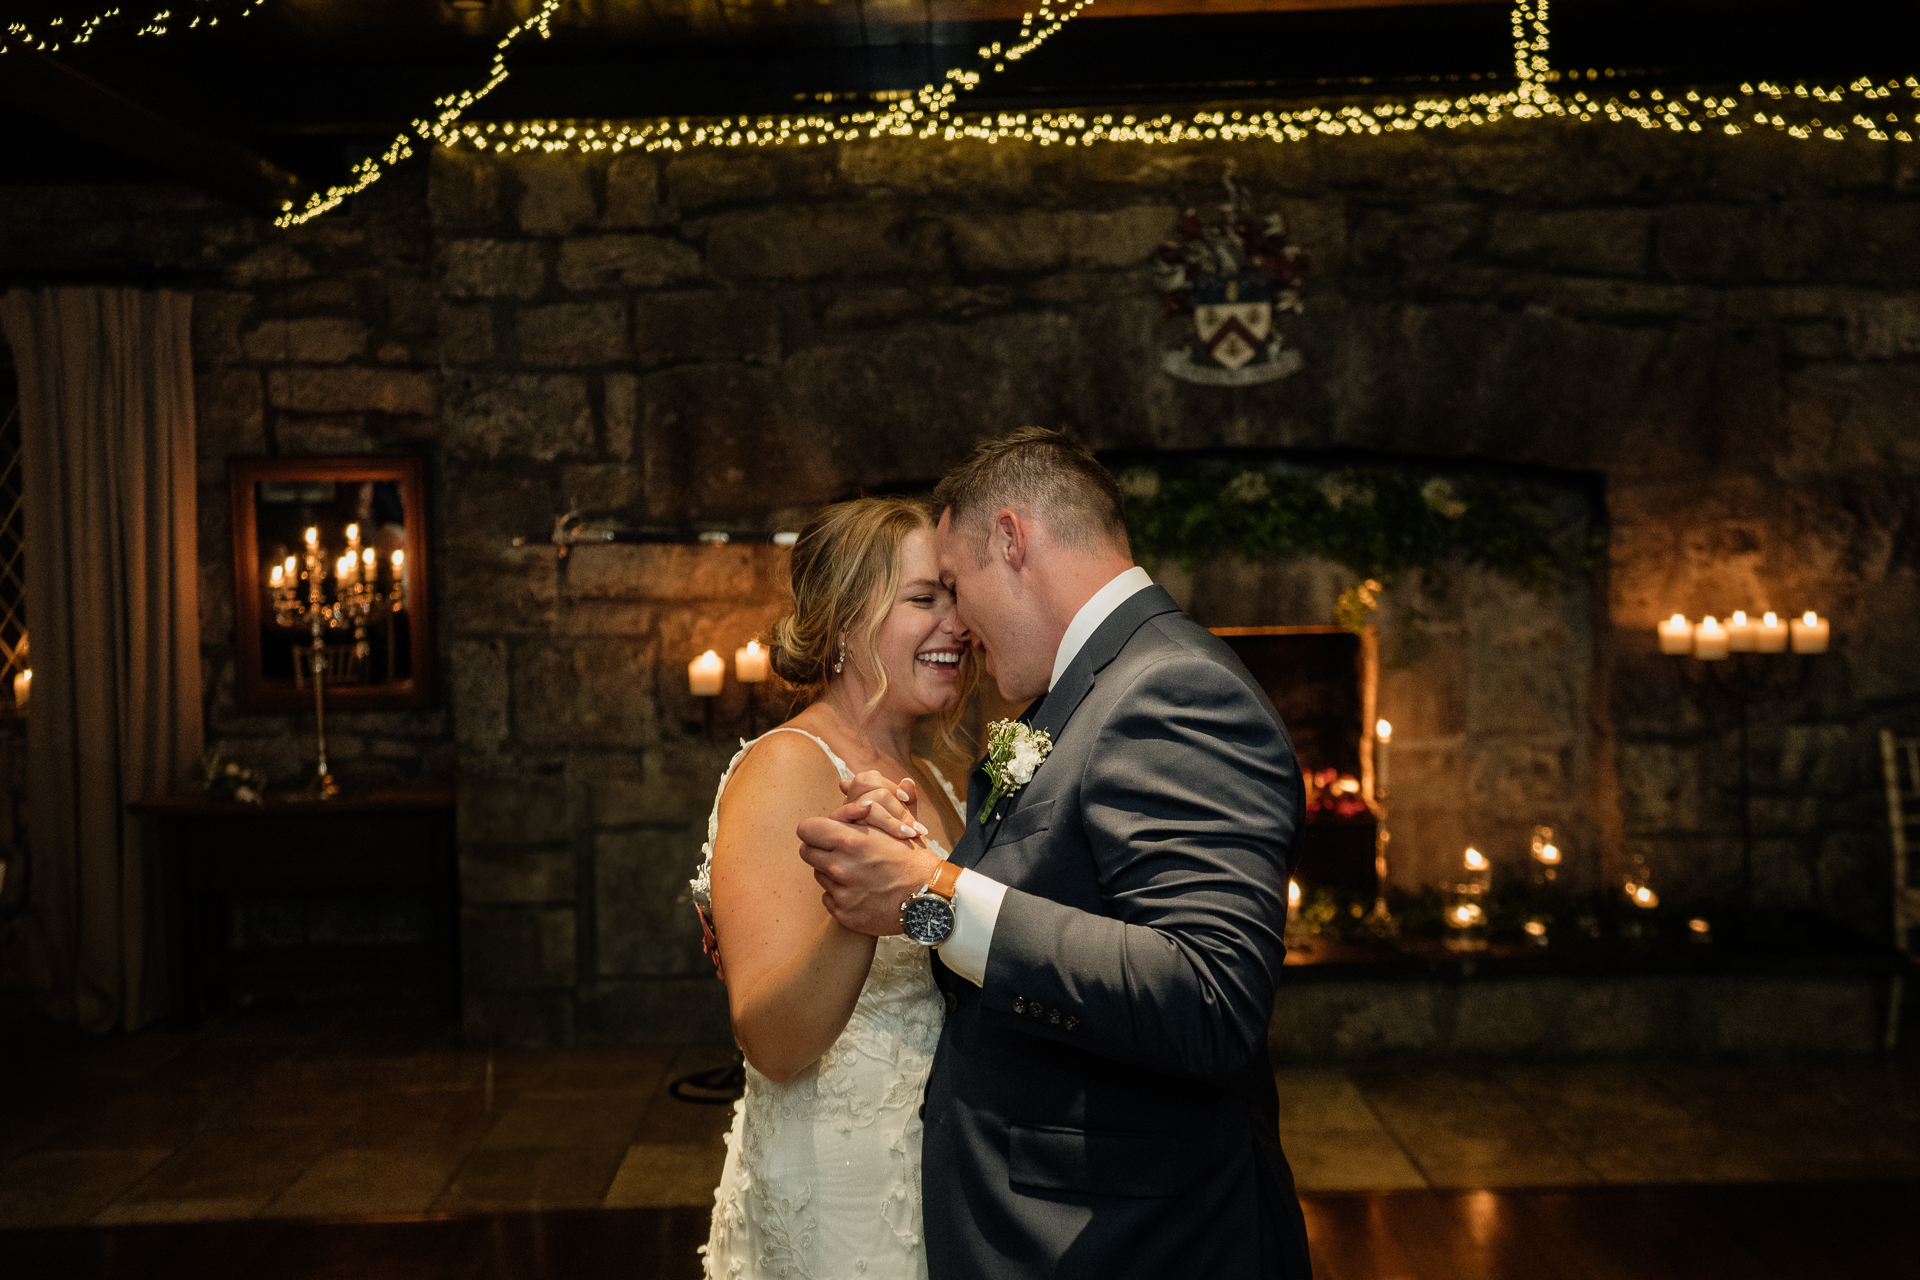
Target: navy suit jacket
{"points": [[1104, 1106]]}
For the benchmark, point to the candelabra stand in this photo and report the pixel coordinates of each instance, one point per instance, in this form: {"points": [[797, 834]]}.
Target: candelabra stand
{"points": [[1743, 679]]}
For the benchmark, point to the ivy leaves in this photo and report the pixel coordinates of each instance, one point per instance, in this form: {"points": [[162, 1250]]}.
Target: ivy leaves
{"points": [[1380, 524]]}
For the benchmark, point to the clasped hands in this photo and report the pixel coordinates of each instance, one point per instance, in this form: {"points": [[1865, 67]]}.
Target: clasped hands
{"points": [[871, 854]]}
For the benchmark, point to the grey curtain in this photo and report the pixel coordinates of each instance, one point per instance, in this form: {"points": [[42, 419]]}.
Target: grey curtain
{"points": [[106, 410]]}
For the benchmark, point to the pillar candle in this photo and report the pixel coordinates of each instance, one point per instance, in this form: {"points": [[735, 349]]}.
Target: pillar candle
{"points": [[1384, 732], [705, 674], [1810, 633], [1709, 641], [1770, 636], [1740, 633], [1676, 635], [22, 689], [750, 663]]}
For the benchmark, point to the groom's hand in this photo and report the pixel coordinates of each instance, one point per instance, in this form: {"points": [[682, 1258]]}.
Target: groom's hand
{"points": [[865, 873]]}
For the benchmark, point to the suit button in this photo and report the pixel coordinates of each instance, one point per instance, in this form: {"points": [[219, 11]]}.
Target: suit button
{"points": [[1053, 1016], [1036, 1010], [1072, 1023], [1019, 1004]]}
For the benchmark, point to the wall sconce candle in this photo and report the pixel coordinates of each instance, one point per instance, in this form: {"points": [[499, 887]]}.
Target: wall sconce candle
{"points": [[1770, 636], [705, 675], [22, 689], [1810, 633], [1710, 641], [751, 663], [1676, 635], [1384, 733]]}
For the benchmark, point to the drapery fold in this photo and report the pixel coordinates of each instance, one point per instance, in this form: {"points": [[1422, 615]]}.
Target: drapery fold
{"points": [[106, 409]]}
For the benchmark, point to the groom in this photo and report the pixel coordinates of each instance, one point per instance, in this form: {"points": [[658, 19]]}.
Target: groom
{"points": [[1101, 1103]]}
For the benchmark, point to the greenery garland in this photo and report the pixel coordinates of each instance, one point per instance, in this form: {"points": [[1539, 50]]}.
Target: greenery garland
{"points": [[1379, 523]]}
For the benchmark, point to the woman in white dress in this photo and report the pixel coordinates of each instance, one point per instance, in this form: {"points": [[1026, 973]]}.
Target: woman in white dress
{"points": [[822, 1176]]}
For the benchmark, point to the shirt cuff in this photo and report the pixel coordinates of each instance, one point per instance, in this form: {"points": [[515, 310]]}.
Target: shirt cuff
{"points": [[976, 907]]}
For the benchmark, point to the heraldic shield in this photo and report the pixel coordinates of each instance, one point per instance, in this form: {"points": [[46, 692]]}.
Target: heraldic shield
{"points": [[1233, 274]]}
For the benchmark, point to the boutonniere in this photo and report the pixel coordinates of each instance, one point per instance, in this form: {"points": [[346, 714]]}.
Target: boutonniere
{"points": [[1014, 751]]}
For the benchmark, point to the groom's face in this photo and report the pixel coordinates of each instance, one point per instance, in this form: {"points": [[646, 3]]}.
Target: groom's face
{"points": [[987, 612]]}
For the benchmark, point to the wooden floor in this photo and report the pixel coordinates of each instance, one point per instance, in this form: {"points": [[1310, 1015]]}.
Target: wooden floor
{"points": [[1845, 1231]]}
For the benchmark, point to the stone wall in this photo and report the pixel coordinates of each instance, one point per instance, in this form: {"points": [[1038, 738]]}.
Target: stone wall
{"points": [[1720, 334]]}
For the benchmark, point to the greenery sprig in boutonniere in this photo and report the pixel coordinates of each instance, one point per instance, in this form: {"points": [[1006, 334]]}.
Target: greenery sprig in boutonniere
{"points": [[1014, 751]]}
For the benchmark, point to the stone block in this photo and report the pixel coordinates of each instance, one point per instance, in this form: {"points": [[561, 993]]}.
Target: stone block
{"points": [[1882, 326], [585, 693], [707, 178], [655, 1011], [711, 325], [1826, 239], [513, 810], [517, 416], [1029, 241], [218, 317], [492, 268], [644, 925], [573, 334], [319, 434], [633, 193], [495, 876], [511, 593], [518, 948], [466, 333], [349, 389], [1119, 237], [675, 573], [229, 410], [812, 243], [1523, 780], [621, 392], [592, 263], [1600, 242], [461, 187], [477, 693], [603, 486], [271, 264], [716, 442], [312, 340], [413, 303], [656, 792], [556, 198], [863, 307]]}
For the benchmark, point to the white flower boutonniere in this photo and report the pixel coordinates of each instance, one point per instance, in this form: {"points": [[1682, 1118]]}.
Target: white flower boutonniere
{"points": [[1014, 751]]}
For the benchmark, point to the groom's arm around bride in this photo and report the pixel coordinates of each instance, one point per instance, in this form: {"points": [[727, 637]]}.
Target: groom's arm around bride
{"points": [[1101, 1104]]}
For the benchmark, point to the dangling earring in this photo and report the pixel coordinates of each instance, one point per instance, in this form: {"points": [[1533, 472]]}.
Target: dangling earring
{"points": [[841, 661]]}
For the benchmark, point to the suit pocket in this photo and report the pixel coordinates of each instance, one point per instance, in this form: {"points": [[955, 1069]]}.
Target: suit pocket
{"points": [[1023, 822], [1137, 1165]]}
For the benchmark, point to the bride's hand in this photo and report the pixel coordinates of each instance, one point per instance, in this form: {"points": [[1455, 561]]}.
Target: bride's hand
{"points": [[882, 804]]}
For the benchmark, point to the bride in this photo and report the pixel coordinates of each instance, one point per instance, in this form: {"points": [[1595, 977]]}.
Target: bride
{"points": [[822, 1175]]}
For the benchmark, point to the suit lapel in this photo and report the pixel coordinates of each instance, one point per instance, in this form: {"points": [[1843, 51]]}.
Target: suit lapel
{"points": [[1054, 709]]}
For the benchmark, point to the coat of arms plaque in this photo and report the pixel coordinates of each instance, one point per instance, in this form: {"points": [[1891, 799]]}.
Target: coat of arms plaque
{"points": [[1228, 276]]}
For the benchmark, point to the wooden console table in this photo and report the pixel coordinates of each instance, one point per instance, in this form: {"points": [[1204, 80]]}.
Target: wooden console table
{"points": [[201, 853]]}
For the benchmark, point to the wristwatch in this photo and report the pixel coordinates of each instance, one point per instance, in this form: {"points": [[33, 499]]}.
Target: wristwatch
{"points": [[927, 916]]}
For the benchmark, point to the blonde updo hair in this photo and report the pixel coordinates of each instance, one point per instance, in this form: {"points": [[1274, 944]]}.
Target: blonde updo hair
{"points": [[845, 573]]}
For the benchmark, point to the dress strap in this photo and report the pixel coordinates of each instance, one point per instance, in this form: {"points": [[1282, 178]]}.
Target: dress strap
{"points": [[958, 802], [838, 763]]}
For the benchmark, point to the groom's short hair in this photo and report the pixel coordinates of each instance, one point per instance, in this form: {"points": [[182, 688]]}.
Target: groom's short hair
{"points": [[1040, 472]]}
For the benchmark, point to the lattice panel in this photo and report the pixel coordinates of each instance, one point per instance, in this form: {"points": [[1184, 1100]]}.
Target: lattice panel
{"points": [[13, 547]]}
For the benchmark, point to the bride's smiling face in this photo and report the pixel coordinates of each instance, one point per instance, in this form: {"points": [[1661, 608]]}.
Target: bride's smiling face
{"points": [[923, 660]]}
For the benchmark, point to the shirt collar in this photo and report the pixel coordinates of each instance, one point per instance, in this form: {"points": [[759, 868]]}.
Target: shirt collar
{"points": [[1092, 614]]}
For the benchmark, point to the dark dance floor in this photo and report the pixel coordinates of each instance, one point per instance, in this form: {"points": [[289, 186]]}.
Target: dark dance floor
{"points": [[1855, 1231]]}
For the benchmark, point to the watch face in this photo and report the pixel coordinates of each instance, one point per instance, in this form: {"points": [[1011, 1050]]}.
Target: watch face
{"points": [[927, 919]]}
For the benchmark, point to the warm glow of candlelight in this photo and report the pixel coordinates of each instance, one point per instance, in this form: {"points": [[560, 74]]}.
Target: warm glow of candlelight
{"points": [[1811, 633], [277, 574], [750, 663], [1476, 860], [399, 558], [1535, 928], [1383, 731], [1699, 926], [313, 536], [705, 675], [1466, 915], [366, 558], [1645, 897], [1810, 618], [291, 566], [1710, 640], [1293, 893], [22, 689], [1676, 635], [1771, 635], [353, 533], [1549, 855]]}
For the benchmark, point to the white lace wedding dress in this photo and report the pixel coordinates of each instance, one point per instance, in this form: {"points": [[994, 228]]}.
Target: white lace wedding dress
{"points": [[822, 1179]]}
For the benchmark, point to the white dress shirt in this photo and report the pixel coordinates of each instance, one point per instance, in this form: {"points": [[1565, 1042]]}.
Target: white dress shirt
{"points": [[977, 898]]}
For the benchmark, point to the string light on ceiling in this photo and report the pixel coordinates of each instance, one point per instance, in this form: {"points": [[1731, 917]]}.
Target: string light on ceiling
{"points": [[929, 113], [56, 34]]}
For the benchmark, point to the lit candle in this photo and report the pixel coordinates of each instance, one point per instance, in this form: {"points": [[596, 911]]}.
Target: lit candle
{"points": [[1810, 633], [22, 689], [1466, 915], [705, 675], [275, 577], [1293, 902], [1709, 641], [292, 566], [1770, 636], [1384, 732], [313, 536], [1676, 635], [343, 569], [750, 664], [1476, 860], [1740, 633], [353, 538], [366, 565], [1643, 896]]}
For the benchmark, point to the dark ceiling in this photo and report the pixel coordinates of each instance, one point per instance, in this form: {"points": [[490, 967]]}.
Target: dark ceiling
{"points": [[312, 85]]}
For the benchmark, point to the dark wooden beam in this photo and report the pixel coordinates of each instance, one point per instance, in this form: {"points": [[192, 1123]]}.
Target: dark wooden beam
{"points": [[53, 91]]}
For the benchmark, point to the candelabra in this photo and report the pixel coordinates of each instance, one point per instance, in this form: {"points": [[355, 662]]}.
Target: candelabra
{"points": [[357, 600]]}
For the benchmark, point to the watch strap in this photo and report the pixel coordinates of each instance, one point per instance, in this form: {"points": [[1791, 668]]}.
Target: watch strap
{"points": [[945, 882]]}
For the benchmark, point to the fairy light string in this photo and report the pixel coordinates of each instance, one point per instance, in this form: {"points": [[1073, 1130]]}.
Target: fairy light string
{"points": [[56, 34]]}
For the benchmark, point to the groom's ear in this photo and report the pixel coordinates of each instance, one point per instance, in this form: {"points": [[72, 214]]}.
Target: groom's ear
{"points": [[1012, 539]]}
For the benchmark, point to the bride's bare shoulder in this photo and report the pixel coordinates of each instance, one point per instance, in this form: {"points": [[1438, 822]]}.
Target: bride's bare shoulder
{"points": [[782, 764]]}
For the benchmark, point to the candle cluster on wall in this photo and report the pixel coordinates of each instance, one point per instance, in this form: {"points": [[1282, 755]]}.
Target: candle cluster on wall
{"points": [[1712, 640], [707, 674]]}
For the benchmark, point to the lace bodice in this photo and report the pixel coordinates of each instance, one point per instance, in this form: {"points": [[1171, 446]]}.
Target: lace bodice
{"points": [[822, 1176]]}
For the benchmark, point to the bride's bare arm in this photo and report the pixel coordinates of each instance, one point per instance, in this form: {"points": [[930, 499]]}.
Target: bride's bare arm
{"points": [[793, 973]]}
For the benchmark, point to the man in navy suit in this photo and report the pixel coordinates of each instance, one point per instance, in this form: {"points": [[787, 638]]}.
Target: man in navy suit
{"points": [[1101, 1104]]}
